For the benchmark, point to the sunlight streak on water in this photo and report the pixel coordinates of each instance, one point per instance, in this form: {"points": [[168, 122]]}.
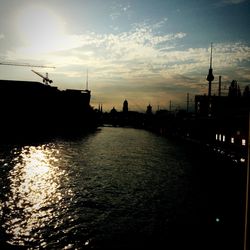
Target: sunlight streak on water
{"points": [[117, 187], [35, 195]]}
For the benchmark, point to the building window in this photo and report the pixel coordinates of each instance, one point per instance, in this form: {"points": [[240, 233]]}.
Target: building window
{"points": [[219, 137], [243, 142], [242, 159], [216, 137], [223, 138], [232, 139]]}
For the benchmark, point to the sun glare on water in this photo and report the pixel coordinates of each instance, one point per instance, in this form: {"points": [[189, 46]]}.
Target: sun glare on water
{"points": [[40, 29]]}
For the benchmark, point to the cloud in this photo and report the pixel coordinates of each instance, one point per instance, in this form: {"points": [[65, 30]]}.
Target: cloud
{"points": [[233, 1], [2, 36], [139, 48], [138, 54], [142, 63], [118, 9], [229, 2]]}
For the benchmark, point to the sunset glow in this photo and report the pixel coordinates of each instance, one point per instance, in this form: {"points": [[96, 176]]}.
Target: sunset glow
{"points": [[157, 51], [40, 30]]}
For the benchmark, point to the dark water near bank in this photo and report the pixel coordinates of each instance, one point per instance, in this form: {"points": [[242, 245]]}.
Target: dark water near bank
{"points": [[118, 188]]}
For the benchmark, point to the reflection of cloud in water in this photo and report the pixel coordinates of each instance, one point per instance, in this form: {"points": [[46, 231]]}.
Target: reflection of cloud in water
{"points": [[36, 199]]}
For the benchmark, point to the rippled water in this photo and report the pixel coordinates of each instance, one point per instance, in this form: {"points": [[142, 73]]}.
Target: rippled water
{"points": [[117, 187]]}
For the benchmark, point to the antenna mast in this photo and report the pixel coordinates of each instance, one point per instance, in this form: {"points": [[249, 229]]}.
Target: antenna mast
{"points": [[87, 80], [211, 56]]}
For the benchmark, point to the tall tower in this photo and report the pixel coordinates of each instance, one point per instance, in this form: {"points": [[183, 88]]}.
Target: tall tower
{"points": [[210, 76], [149, 110], [125, 106]]}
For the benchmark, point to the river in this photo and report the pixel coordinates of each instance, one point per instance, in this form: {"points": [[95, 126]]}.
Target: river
{"points": [[116, 188]]}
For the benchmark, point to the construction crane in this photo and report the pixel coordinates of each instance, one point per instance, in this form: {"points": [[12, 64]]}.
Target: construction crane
{"points": [[26, 65], [46, 79]]}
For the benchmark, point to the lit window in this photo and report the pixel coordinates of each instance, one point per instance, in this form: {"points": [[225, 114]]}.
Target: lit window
{"points": [[223, 138], [243, 142], [216, 137], [219, 137], [232, 140], [198, 106], [242, 159]]}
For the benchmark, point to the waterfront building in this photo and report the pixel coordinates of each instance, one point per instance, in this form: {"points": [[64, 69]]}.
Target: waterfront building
{"points": [[33, 109], [125, 106]]}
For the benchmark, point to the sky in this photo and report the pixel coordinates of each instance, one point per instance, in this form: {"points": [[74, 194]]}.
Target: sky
{"points": [[145, 51]]}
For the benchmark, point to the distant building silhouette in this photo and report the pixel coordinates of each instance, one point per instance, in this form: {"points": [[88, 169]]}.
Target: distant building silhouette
{"points": [[125, 106], [149, 110], [100, 108], [113, 111], [234, 89], [246, 92], [57, 112]]}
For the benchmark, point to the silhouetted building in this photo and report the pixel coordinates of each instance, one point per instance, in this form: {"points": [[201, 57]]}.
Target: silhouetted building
{"points": [[125, 106], [31, 109], [220, 106], [113, 111], [234, 89], [246, 92], [149, 110], [225, 126]]}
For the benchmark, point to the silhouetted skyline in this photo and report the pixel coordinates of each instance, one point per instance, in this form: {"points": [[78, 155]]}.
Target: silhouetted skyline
{"points": [[144, 51]]}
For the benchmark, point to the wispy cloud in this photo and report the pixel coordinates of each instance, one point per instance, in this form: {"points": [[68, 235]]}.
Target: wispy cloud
{"points": [[118, 9], [141, 44], [142, 62], [136, 54], [234, 1], [229, 2]]}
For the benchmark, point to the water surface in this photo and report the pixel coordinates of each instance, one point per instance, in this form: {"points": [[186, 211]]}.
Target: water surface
{"points": [[115, 188]]}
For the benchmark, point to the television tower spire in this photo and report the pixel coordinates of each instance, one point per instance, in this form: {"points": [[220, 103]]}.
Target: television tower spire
{"points": [[87, 80], [211, 55], [210, 76]]}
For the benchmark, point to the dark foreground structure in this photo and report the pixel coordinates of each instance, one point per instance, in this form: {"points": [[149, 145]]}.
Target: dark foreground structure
{"points": [[31, 110]]}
